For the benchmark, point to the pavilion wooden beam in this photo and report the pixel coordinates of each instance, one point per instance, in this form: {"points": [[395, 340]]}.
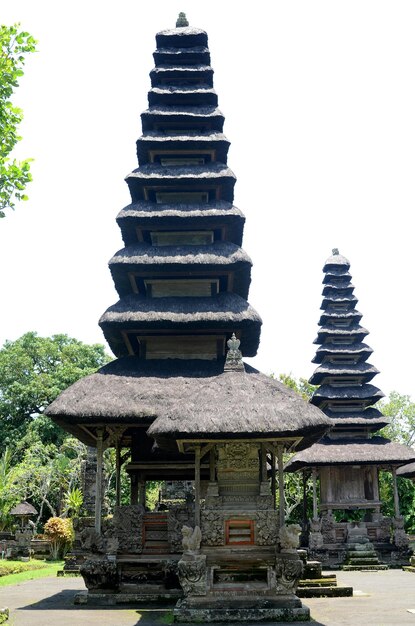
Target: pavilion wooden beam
{"points": [[197, 485]]}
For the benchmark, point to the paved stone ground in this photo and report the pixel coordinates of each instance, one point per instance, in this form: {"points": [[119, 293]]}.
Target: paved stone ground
{"points": [[380, 599]]}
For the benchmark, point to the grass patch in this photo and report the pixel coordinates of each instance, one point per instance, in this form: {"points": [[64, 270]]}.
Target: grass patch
{"points": [[13, 572]]}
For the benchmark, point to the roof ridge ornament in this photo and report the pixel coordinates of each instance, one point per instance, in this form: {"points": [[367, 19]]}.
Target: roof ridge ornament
{"points": [[182, 20], [233, 356]]}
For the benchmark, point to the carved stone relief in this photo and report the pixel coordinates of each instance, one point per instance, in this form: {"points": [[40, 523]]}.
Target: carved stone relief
{"points": [[128, 528], [193, 575]]}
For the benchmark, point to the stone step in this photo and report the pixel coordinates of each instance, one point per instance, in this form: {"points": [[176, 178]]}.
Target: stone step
{"points": [[325, 592], [409, 568], [363, 562], [364, 568], [318, 582]]}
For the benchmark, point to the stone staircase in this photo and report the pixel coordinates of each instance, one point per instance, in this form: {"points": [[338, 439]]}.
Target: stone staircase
{"points": [[315, 584], [361, 554]]}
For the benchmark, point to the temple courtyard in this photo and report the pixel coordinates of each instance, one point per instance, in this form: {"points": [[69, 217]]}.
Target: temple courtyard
{"points": [[384, 598]]}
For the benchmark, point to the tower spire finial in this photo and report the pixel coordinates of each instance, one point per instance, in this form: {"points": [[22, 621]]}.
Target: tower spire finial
{"points": [[182, 20], [335, 251]]}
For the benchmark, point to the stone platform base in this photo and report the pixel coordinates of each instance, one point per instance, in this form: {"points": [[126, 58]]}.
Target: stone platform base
{"points": [[111, 599], [239, 610]]}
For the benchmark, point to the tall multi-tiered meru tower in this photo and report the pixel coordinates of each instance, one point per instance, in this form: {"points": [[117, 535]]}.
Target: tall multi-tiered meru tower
{"points": [[347, 460], [178, 402]]}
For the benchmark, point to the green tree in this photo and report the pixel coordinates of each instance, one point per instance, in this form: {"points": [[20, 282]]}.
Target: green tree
{"points": [[400, 409], [33, 372], [301, 386], [15, 45]]}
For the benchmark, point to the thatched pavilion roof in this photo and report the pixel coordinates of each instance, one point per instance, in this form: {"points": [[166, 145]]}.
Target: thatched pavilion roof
{"points": [[367, 393], [23, 509], [407, 471], [187, 396], [241, 405], [375, 451]]}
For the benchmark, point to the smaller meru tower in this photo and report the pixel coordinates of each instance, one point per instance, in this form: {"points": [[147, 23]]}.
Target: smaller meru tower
{"points": [[348, 459]]}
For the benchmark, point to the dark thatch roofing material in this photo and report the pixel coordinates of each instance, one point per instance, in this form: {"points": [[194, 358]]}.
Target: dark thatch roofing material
{"points": [[367, 393], [407, 471], [212, 141], [362, 370], [206, 116], [22, 509], [223, 312], [344, 276], [216, 258], [349, 300], [183, 37], [211, 174], [332, 316], [240, 405], [354, 330], [149, 216], [347, 451], [360, 350], [185, 96], [336, 263], [169, 56], [133, 392], [331, 287], [163, 75]]}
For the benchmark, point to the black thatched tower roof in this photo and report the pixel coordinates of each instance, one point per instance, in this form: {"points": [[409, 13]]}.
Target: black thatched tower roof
{"points": [[182, 270], [183, 282], [343, 374], [345, 393]]}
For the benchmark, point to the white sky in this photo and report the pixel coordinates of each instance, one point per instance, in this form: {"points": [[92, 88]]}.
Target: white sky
{"points": [[319, 100]]}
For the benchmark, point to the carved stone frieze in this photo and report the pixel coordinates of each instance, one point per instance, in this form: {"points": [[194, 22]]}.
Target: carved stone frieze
{"points": [[128, 528], [213, 527], [99, 574], [193, 575], [315, 540], [400, 538], [266, 527], [328, 528]]}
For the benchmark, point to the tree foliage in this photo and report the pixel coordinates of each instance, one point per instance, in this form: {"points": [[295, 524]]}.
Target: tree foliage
{"points": [[301, 386], [15, 45], [400, 409], [39, 462], [33, 372]]}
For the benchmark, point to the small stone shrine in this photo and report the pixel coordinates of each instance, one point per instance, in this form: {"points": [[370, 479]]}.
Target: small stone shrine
{"points": [[346, 462], [178, 403]]}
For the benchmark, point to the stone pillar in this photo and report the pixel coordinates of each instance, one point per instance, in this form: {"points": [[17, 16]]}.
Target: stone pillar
{"points": [[315, 509], [197, 486], [98, 484], [117, 473], [280, 461], [395, 493]]}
